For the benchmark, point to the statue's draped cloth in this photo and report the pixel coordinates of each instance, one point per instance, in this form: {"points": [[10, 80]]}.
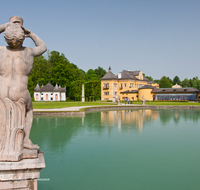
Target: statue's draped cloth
{"points": [[12, 124]]}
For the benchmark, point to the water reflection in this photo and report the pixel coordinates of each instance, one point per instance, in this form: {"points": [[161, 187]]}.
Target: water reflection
{"points": [[176, 115], [104, 146], [128, 118], [58, 131], [55, 131]]}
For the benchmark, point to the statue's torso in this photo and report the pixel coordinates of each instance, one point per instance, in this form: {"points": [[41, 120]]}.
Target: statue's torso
{"points": [[15, 67]]}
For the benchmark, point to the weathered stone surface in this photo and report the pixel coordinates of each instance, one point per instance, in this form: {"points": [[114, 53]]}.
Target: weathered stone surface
{"points": [[19, 185], [12, 126], [16, 111], [22, 170], [22, 174], [16, 64]]}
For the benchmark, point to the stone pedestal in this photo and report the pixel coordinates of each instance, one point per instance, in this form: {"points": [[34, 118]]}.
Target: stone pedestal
{"points": [[22, 174]]}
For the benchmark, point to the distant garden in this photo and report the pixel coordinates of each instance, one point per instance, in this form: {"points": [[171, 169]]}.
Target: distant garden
{"points": [[56, 68]]}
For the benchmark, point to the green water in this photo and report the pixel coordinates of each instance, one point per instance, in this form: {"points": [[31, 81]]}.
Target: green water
{"points": [[120, 150]]}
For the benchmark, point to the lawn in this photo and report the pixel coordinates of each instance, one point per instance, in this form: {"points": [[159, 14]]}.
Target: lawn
{"points": [[49, 105], [168, 103]]}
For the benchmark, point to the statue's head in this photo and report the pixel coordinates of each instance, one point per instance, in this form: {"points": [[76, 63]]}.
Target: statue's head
{"points": [[17, 20], [14, 35]]}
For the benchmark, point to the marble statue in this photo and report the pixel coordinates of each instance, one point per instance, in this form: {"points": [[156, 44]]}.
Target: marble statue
{"points": [[143, 101], [16, 63]]}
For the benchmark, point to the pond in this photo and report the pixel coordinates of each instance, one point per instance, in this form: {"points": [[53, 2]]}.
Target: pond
{"points": [[120, 150]]}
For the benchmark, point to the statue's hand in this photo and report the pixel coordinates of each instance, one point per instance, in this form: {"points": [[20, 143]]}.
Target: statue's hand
{"points": [[26, 32]]}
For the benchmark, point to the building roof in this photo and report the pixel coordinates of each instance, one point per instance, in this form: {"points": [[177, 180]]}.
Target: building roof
{"points": [[125, 74], [109, 75], [37, 88], [147, 87], [175, 90], [127, 91], [49, 88]]}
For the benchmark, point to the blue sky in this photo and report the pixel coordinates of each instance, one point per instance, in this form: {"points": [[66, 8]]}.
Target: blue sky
{"points": [[159, 37]]}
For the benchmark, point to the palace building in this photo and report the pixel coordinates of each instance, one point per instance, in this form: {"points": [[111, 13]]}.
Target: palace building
{"points": [[49, 93], [135, 86]]}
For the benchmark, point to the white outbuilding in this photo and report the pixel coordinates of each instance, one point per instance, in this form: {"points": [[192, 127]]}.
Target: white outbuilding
{"points": [[49, 93]]}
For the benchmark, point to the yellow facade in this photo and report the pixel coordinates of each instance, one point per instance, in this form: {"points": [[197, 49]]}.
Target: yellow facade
{"points": [[133, 86], [112, 88], [146, 93]]}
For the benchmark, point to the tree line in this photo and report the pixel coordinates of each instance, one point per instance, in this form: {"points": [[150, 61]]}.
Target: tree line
{"points": [[57, 69], [166, 82]]}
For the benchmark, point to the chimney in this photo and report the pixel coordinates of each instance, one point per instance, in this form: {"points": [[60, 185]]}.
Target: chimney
{"points": [[109, 69], [119, 75]]}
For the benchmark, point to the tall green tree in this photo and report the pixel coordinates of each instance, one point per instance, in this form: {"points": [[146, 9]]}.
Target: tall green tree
{"points": [[55, 69], [75, 92], [165, 82], [176, 80], [93, 90], [100, 72], [185, 83], [91, 75]]}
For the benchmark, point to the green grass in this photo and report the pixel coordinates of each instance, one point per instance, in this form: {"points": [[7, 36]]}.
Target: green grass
{"points": [[167, 103], [49, 105]]}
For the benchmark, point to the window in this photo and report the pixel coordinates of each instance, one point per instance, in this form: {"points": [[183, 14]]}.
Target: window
{"points": [[121, 85], [115, 93], [124, 84], [41, 98], [47, 97], [37, 97], [56, 97], [106, 85], [51, 98], [131, 84], [106, 93]]}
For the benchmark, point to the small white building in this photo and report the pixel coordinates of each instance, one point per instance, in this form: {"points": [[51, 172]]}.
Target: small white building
{"points": [[49, 93]]}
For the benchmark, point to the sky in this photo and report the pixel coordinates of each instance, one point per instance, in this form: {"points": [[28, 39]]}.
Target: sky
{"points": [[158, 37]]}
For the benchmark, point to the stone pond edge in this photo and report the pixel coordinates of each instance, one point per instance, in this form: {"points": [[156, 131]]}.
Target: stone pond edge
{"points": [[82, 111]]}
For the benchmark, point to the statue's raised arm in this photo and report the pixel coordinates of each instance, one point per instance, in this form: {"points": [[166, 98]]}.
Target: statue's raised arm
{"points": [[15, 19], [40, 45], [4, 26]]}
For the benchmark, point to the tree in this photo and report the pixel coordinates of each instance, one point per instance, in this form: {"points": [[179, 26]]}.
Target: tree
{"points": [[185, 83], [157, 81], [75, 92], [91, 75], [93, 90], [55, 69], [195, 82], [170, 80], [100, 72], [165, 82], [176, 80]]}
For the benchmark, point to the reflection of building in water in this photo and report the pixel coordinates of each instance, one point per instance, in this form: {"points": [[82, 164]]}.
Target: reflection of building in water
{"points": [[128, 118]]}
